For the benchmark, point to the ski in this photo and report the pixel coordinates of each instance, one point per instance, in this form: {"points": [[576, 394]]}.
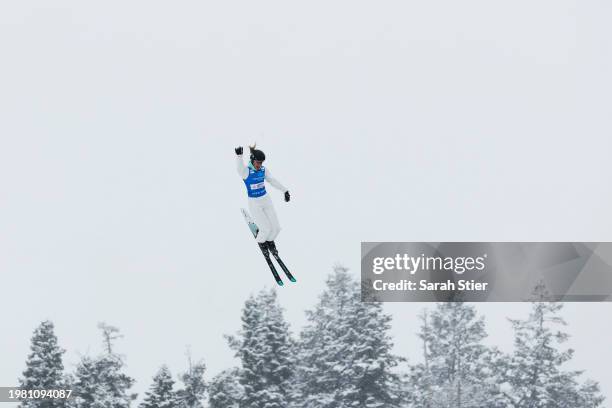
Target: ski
{"points": [[266, 255], [283, 267], [252, 226]]}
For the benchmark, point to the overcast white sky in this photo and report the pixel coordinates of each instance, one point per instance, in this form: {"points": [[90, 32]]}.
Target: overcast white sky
{"points": [[388, 121]]}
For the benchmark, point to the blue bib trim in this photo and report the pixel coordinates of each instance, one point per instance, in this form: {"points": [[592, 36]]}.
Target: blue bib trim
{"points": [[255, 182]]}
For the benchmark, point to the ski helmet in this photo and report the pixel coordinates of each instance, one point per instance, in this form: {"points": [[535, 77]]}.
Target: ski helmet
{"points": [[257, 155]]}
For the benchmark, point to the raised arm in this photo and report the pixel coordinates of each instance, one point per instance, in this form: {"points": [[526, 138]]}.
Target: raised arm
{"points": [[243, 170]]}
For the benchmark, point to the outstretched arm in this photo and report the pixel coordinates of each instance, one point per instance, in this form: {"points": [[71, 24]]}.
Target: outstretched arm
{"points": [[274, 182], [243, 171]]}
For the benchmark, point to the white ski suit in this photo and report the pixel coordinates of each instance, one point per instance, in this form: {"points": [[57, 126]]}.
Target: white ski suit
{"points": [[261, 208]]}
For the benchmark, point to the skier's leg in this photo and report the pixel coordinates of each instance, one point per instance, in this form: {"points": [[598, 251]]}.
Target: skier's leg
{"points": [[273, 220], [275, 226], [257, 212]]}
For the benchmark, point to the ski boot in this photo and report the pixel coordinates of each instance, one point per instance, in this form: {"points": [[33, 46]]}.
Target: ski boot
{"points": [[264, 247], [272, 248], [266, 253]]}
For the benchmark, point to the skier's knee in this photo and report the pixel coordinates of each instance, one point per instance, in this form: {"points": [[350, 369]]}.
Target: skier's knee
{"points": [[274, 233], [264, 234]]}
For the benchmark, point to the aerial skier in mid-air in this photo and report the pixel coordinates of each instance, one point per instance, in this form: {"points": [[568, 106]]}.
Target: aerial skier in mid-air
{"points": [[264, 225]]}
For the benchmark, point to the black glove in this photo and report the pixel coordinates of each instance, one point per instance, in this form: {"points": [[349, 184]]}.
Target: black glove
{"points": [[287, 196], [238, 150]]}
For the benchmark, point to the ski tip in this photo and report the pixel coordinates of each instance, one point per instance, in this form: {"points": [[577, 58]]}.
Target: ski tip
{"points": [[280, 282], [292, 279]]}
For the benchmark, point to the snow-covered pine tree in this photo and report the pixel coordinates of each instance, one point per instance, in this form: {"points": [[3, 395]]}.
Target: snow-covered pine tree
{"points": [[44, 367], [345, 351], [419, 385], [225, 390], [194, 390], [264, 347], [161, 393], [117, 382], [458, 370], [534, 371], [109, 335], [89, 390], [100, 382]]}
